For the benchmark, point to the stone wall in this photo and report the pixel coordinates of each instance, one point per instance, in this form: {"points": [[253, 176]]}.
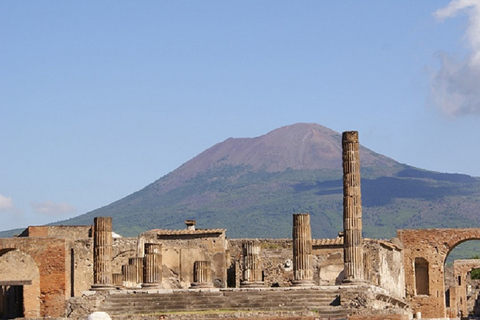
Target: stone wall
{"points": [[382, 262], [65, 232], [81, 253], [122, 250], [276, 256], [328, 259], [181, 248]]}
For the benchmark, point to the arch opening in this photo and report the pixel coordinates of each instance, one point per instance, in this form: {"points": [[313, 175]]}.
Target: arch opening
{"points": [[19, 285], [422, 278], [462, 278]]}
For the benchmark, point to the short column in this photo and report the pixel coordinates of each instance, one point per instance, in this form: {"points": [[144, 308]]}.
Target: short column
{"points": [[138, 264], [302, 250], [152, 266], [129, 276], [117, 280], [102, 254], [252, 265], [202, 275]]}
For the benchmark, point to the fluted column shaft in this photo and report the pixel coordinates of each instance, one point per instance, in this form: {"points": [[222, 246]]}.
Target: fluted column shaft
{"points": [[138, 264], [152, 265], [352, 208], [117, 279], [102, 253], [252, 265], [202, 274], [302, 250], [129, 273]]}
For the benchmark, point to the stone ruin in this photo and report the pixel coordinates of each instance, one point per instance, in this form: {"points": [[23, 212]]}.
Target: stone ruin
{"points": [[76, 271]]}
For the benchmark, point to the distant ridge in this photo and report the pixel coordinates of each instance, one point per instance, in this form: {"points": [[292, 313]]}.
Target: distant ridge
{"points": [[252, 186]]}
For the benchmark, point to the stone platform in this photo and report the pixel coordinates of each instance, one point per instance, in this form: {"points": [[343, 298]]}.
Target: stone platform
{"points": [[332, 302]]}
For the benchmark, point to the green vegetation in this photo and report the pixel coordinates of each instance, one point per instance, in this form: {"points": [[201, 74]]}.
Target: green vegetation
{"points": [[475, 274], [261, 204]]}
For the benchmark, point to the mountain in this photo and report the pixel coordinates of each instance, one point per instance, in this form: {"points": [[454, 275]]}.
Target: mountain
{"points": [[252, 186]]}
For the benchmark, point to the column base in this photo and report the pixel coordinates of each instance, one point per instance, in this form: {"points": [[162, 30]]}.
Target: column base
{"points": [[151, 286], [201, 285], [303, 283], [102, 287], [252, 284], [354, 282]]}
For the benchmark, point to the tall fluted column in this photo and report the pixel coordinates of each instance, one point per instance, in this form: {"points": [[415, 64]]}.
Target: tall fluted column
{"points": [[102, 253], [302, 250], [202, 274], [252, 265], [138, 265], [352, 209], [152, 266]]}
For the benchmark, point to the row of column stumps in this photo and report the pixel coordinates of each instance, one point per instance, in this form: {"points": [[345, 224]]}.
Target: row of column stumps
{"points": [[149, 267], [252, 272], [352, 209], [146, 270], [302, 256]]}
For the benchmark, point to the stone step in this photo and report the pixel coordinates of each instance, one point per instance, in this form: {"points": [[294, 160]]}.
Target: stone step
{"points": [[227, 296], [223, 301], [168, 299], [314, 294], [321, 311], [265, 300], [215, 305]]}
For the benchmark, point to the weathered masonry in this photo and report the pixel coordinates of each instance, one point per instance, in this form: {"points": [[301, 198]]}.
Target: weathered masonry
{"points": [[425, 253]]}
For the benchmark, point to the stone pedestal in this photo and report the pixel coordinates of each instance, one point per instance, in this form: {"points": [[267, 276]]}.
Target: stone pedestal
{"points": [[152, 266], [252, 265], [102, 254], [302, 250], [202, 275], [352, 209]]}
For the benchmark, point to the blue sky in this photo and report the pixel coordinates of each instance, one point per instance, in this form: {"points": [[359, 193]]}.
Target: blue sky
{"points": [[100, 98]]}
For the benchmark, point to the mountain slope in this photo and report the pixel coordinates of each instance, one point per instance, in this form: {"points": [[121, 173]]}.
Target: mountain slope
{"points": [[252, 186]]}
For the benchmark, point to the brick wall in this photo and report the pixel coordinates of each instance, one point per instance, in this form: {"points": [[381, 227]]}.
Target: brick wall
{"points": [[49, 256], [433, 246]]}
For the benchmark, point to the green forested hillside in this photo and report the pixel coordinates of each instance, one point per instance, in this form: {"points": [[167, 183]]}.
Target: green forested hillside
{"points": [[261, 204], [252, 186]]}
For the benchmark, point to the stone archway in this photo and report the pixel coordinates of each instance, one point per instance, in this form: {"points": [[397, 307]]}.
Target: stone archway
{"points": [[20, 284], [50, 257], [430, 247]]}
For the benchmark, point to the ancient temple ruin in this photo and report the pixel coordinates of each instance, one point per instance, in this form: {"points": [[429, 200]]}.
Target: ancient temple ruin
{"points": [[71, 271]]}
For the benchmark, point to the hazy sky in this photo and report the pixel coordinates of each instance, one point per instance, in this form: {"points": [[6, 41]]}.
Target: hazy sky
{"points": [[100, 98]]}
